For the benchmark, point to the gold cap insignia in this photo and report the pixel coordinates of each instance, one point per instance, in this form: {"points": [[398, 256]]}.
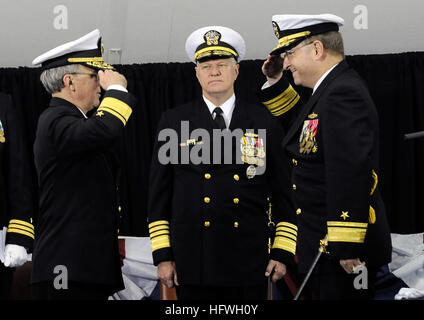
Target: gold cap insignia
{"points": [[212, 37]]}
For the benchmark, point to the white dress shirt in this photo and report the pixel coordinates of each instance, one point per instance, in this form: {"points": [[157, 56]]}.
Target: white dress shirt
{"points": [[227, 108], [320, 80]]}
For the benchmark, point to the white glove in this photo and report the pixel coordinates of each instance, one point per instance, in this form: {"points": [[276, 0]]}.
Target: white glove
{"points": [[409, 294], [14, 255]]}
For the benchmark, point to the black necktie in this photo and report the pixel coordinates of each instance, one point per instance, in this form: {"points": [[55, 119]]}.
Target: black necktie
{"points": [[219, 119]]}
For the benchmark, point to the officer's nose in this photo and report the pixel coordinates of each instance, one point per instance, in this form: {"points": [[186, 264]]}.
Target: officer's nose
{"points": [[286, 63], [215, 71]]}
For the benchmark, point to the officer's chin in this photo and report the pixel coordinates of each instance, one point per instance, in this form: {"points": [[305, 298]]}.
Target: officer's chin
{"points": [[96, 104]]}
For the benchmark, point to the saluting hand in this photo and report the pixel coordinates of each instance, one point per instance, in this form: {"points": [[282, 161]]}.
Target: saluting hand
{"points": [[109, 77], [273, 68]]}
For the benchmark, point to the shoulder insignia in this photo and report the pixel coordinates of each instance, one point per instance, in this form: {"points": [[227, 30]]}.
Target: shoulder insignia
{"points": [[345, 215]]}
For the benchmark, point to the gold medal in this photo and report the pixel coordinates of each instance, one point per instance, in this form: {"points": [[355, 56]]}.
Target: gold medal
{"points": [[309, 145], [261, 153], [251, 152]]}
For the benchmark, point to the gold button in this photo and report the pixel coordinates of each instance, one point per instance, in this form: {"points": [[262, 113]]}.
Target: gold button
{"points": [[207, 176], [236, 177], [294, 162], [207, 199], [119, 208], [236, 200], [236, 224], [294, 187], [299, 211], [207, 224]]}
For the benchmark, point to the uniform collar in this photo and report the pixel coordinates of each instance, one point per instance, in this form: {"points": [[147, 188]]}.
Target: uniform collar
{"points": [[227, 107], [320, 80], [55, 101]]}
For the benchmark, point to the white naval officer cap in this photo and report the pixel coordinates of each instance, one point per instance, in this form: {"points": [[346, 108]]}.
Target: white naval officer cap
{"points": [[87, 50], [215, 42], [291, 29]]}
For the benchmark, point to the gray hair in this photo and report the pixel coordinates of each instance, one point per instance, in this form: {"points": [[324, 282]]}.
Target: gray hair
{"points": [[52, 79], [332, 41]]}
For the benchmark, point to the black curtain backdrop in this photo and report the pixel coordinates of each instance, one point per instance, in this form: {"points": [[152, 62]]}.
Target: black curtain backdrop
{"points": [[396, 83]]}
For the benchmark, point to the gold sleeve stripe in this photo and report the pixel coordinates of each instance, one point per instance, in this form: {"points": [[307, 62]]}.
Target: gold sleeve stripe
{"points": [[287, 224], [347, 224], [20, 227], [282, 103], [158, 228], [288, 230], [284, 244], [117, 108], [160, 242], [28, 234], [24, 223], [114, 113], [159, 222], [287, 235], [279, 112], [158, 233], [281, 99], [161, 247], [339, 234]]}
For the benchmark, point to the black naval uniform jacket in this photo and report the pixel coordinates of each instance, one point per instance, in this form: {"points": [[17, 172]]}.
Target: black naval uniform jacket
{"points": [[211, 218], [77, 170], [334, 146], [16, 197]]}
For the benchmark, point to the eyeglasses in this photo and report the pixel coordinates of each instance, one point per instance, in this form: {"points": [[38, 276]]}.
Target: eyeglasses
{"points": [[92, 75], [208, 67], [290, 53]]}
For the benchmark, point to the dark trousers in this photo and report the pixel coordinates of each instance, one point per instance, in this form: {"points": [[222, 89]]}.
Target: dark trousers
{"points": [[189, 292], [75, 291], [6, 280], [332, 282]]}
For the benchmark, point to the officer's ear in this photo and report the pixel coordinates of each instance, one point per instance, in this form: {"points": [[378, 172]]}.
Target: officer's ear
{"points": [[318, 46], [67, 81], [236, 69]]}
